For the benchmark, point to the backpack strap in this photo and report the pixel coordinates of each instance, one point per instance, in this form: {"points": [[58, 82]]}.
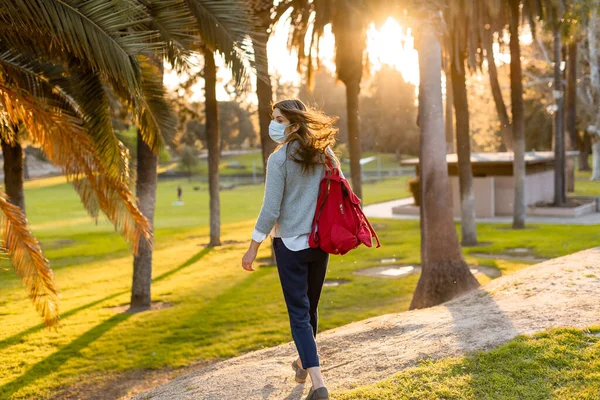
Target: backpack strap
{"points": [[333, 170], [321, 200], [373, 233]]}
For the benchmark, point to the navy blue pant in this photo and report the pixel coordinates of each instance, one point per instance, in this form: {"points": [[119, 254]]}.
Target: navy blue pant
{"points": [[302, 274]]}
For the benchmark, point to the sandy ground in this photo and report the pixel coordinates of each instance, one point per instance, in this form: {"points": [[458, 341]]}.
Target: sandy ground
{"points": [[557, 293]]}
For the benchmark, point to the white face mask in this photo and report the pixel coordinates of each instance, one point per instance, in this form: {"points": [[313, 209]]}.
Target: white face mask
{"points": [[277, 131]]}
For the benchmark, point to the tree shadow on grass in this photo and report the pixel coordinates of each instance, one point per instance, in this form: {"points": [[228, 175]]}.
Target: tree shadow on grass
{"points": [[17, 338], [53, 362], [192, 260]]}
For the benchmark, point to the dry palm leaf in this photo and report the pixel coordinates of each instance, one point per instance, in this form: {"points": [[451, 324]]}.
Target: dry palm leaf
{"points": [[28, 261]]}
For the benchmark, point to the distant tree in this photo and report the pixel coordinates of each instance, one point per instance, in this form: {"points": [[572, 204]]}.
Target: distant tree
{"points": [[194, 132], [388, 110], [389, 113], [189, 159]]}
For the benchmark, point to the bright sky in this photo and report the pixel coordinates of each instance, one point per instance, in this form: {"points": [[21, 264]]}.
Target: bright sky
{"points": [[390, 44]]}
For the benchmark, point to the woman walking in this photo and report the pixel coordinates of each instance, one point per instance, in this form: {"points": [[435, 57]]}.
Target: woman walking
{"points": [[294, 172]]}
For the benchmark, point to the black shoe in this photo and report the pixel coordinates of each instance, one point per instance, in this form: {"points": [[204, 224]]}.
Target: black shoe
{"points": [[318, 394], [301, 374]]}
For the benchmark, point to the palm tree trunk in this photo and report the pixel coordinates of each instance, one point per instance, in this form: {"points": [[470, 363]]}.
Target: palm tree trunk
{"points": [[596, 158], [264, 93], [444, 272], [594, 134], [352, 93], [560, 192], [497, 92], [449, 115], [213, 141], [584, 152], [518, 125], [13, 173], [463, 148], [145, 188], [571, 110]]}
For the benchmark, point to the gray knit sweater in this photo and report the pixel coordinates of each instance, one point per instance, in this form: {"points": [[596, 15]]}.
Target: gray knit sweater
{"points": [[290, 196]]}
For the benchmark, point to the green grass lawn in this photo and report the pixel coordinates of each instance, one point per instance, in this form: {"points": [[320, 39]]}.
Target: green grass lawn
{"points": [[214, 309], [557, 364], [583, 185]]}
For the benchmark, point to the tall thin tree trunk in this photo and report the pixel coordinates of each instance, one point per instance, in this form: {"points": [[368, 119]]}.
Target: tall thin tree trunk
{"points": [[518, 124], [585, 149], [463, 147], [213, 142], [571, 110], [596, 159], [560, 188], [348, 26], [352, 93], [497, 92], [145, 188], [592, 32], [444, 272], [449, 115], [264, 93], [14, 173]]}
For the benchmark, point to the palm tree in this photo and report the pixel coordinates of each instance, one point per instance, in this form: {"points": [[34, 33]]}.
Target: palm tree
{"points": [[236, 26], [182, 25], [264, 92], [449, 114], [560, 189], [571, 108], [145, 189], [349, 26], [593, 131], [458, 24], [213, 139], [518, 122], [488, 43], [146, 185], [61, 105], [444, 271]]}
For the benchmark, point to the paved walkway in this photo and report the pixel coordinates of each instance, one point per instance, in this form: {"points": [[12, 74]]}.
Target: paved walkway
{"points": [[557, 293], [384, 210]]}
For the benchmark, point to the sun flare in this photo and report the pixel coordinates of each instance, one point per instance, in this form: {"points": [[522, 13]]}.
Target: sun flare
{"points": [[392, 45]]}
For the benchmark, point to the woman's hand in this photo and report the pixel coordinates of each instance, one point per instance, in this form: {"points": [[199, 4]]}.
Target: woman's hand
{"points": [[248, 259]]}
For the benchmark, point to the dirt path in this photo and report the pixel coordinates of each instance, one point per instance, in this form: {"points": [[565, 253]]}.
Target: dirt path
{"points": [[559, 292]]}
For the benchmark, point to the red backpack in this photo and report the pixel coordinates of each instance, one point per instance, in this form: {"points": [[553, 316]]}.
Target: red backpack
{"points": [[339, 224]]}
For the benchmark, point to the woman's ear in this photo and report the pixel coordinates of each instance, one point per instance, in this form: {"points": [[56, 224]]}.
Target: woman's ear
{"points": [[295, 127]]}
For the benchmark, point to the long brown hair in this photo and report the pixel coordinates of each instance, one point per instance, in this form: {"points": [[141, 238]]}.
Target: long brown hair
{"points": [[316, 132]]}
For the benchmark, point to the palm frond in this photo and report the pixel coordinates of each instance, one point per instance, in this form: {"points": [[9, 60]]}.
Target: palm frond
{"points": [[35, 76], [177, 28], [226, 26], [29, 262], [75, 89], [63, 139], [90, 94], [108, 34], [155, 116]]}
